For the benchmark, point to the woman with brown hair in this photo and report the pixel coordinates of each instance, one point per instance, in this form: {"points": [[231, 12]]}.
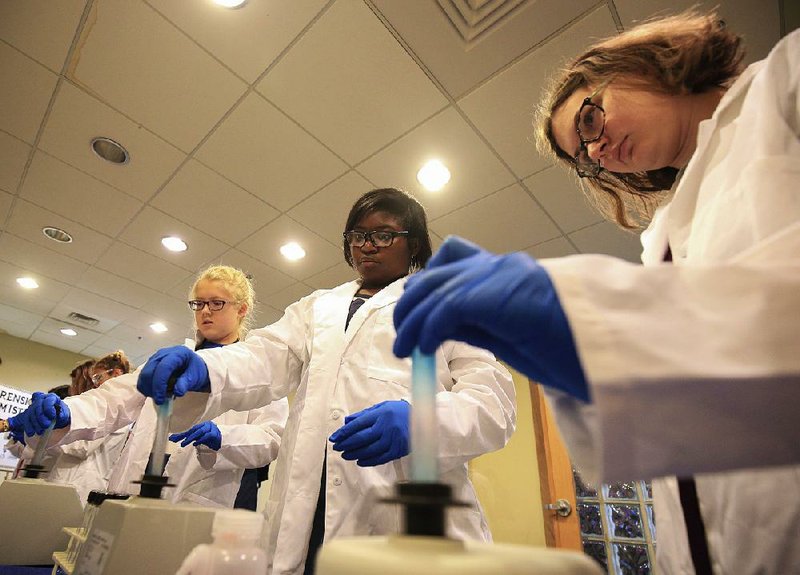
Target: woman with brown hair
{"points": [[689, 363]]}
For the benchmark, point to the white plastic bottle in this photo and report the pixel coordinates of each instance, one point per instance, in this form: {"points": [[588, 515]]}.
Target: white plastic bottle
{"points": [[235, 549]]}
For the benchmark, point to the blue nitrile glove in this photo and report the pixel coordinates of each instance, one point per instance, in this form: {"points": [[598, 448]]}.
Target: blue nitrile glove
{"points": [[18, 436], [376, 435], [180, 361], [44, 408], [206, 433], [504, 303]]}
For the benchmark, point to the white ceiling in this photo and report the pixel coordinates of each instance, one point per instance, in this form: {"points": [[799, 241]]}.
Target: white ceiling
{"points": [[248, 128]]}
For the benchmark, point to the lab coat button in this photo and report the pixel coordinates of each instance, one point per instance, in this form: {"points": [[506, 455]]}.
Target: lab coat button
{"points": [[337, 481], [335, 414]]}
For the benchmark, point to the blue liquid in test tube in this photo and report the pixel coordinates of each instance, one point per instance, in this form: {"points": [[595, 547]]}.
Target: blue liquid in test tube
{"points": [[424, 431]]}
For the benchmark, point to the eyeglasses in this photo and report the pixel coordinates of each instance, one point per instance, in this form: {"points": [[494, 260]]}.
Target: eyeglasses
{"points": [[213, 304], [378, 238], [98, 378], [590, 123]]}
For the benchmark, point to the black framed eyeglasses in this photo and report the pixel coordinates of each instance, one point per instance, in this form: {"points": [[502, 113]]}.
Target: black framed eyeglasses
{"points": [[378, 238], [590, 123], [213, 304]]}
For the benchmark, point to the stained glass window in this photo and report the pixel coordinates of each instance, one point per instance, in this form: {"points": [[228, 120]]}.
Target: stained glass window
{"points": [[617, 524]]}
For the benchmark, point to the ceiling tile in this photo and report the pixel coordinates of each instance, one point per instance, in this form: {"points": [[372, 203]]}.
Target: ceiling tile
{"points": [[161, 79], [116, 288], [758, 21], [43, 29], [14, 315], [475, 170], [506, 221], [287, 296], [147, 229], [558, 192], [266, 153], [30, 300], [60, 188], [503, 108], [265, 245], [77, 118], [351, 84], [332, 277], [49, 289], [20, 330], [5, 205], [108, 312], [326, 211], [43, 261], [173, 313], [458, 67], [138, 340], [28, 220], [265, 279], [84, 336], [136, 265], [206, 200], [556, 248], [25, 90], [15, 154], [265, 315], [606, 238], [58, 341], [247, 39]]}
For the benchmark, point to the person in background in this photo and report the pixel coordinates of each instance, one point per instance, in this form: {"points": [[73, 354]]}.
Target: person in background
{"points": [[81, 378], [689, 363], [87, 464], [222, 299], [83, 464], [348, 432]]}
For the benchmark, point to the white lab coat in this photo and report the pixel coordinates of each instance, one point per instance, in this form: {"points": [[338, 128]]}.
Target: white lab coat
{"points": [[694, 367], [250, 440], [335, 373], [86, 465]]}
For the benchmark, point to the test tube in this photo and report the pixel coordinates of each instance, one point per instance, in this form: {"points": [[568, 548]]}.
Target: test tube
{"points": [[41, 447], [156, 465], [424, 431]]}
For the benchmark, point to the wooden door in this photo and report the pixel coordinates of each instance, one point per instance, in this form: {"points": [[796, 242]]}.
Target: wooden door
{"points": [[555, 474]]}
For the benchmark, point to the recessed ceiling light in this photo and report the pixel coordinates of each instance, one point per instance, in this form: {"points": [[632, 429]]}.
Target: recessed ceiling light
{"points": [[110, 151], [292, 251], [230, 3], [174, 244], [158, 327], [68, 331], [27, 283], [434, 175], [57, 235]]}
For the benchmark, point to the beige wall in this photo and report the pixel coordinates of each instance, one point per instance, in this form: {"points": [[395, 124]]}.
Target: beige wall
{"points": [[507, 481], [33, 366]]}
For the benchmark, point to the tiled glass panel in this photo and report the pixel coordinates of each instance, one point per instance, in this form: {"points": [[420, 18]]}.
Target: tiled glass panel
{"points": [[648, 489], [631, 559], [626, 521], [591, 524], [621, 491], [582, 489], [597, 551]]}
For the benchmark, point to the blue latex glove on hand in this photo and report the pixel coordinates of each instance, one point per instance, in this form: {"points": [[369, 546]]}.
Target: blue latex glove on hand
{"points": [[504, 303], [179, 361], [376, 435], [206, 433], [43, 410]]}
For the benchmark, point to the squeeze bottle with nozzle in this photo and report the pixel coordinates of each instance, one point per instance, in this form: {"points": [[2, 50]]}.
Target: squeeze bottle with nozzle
{"points": [[235, 549]]}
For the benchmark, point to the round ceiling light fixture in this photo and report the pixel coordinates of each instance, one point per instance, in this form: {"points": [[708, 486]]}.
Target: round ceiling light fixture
{"points": [[434, 175], [57, 235], [110, 151], [230, 3]]}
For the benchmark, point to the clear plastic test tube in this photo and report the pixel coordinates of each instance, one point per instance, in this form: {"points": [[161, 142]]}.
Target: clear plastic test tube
{"points": [[424, 430], [156, 466]]}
